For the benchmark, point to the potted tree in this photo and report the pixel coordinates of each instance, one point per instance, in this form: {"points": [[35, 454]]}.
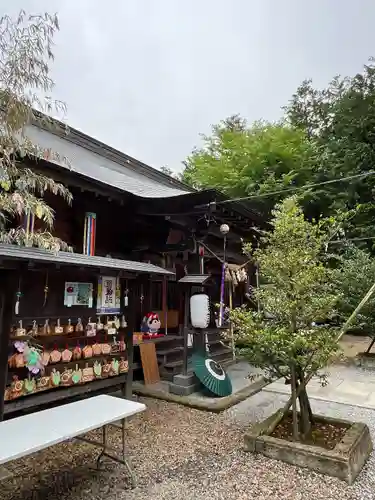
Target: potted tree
{"points": [[290, 338]]}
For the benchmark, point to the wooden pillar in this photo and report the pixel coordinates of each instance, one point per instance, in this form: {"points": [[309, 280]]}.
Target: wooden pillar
{"points": [[129, 378], [201, 258], [8, 285], [131, 328], [165, 304], [186, 331]]}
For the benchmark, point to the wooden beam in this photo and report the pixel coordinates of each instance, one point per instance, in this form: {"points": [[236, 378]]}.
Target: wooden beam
{"points": [[9, 282]]}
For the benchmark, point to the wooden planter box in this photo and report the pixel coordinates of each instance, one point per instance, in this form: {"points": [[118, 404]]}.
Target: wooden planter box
{"points": [[366, 360], [345, 461]]}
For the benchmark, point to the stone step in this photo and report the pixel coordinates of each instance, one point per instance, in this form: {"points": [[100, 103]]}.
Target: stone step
{"points": [[218, 344], [170, 354], [223, 355], [165, 339]]}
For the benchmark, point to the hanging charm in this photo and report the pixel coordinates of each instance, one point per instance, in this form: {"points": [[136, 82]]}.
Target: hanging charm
{"points": [[45, 291], [79, 326], [123, 323], [20, 332], [46, 329], [77, 352], [34, 329], [117, 323], [99, 324], [69, 328], [59, 330], [126, 298], [18, 298], [90, 328]]}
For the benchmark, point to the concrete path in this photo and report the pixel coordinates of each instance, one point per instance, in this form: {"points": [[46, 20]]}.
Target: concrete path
{"points": [[347, 384]]}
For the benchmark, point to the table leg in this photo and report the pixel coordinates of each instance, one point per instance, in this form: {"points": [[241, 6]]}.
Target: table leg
{"points": [[116, 455], [104, 441], [126, 462]]}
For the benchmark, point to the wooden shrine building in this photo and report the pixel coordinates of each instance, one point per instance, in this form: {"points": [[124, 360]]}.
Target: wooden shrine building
{"points": [[150, 231]]}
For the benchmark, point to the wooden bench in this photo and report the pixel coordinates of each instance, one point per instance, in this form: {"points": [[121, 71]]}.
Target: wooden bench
{"points": [[37, 431]]}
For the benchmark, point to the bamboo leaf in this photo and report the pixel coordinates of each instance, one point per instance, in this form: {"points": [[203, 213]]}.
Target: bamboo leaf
{"points": [[39, 211], [26, 44]]}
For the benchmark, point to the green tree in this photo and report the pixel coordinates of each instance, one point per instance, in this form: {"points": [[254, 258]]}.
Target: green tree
{"points": [[298, 292], [352, 279], [25, 84], [241, 160], [341, 120]]}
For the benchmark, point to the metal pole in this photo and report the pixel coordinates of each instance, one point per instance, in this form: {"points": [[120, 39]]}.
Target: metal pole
{"points": [[221, 311]]}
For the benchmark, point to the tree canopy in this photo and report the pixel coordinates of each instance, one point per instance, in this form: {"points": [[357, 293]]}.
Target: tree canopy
{"points": [[25, 83], [326, 134], [241, 160]]}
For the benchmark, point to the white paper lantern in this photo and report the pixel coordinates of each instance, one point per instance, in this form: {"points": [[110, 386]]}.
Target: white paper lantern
{"points": [[200, 310]]}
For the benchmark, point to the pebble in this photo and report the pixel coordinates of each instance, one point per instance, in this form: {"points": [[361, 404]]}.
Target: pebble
{"points": [[181, 453]]}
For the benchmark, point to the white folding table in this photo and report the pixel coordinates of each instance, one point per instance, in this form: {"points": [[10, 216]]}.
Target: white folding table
{"points": [[28, 434]]}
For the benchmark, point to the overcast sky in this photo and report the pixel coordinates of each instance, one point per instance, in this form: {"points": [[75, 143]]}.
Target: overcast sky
{"points": [[148, 76]]}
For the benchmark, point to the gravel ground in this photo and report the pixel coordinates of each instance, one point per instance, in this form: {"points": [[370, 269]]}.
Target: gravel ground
{"points": [[181, 453]]}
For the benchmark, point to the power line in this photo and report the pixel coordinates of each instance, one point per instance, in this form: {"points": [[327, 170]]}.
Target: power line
{"points": [[296, 188], [353, 239]]}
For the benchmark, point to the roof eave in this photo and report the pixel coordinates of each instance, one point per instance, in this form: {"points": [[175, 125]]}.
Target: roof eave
{"points": [[26, 254]]}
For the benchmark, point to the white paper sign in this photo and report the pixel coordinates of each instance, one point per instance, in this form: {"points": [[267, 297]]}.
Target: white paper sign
{"points": [[109, 295]]}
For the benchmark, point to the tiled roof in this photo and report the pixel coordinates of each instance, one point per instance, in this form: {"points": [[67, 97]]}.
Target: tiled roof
{"points": [[107, 166]]}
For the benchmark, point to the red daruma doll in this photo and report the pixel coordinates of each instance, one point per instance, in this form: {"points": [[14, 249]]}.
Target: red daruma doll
{"points": [[150, 324]]}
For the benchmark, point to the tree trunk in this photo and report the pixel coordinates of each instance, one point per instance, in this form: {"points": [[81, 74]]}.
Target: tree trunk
{"points": [[305, 413], [303, 381], [305, 408], [293, 384]]}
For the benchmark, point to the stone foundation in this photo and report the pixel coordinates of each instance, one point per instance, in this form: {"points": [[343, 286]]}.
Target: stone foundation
{"points": [[184, 385]]}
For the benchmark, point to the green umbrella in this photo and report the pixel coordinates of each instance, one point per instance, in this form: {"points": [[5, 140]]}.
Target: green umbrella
{"points": [[212, 375]]}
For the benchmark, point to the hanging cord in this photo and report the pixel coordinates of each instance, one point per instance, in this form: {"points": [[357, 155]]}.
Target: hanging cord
{"points": [[126, 293], [18, 298], [141, 298], [45, 291]]}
